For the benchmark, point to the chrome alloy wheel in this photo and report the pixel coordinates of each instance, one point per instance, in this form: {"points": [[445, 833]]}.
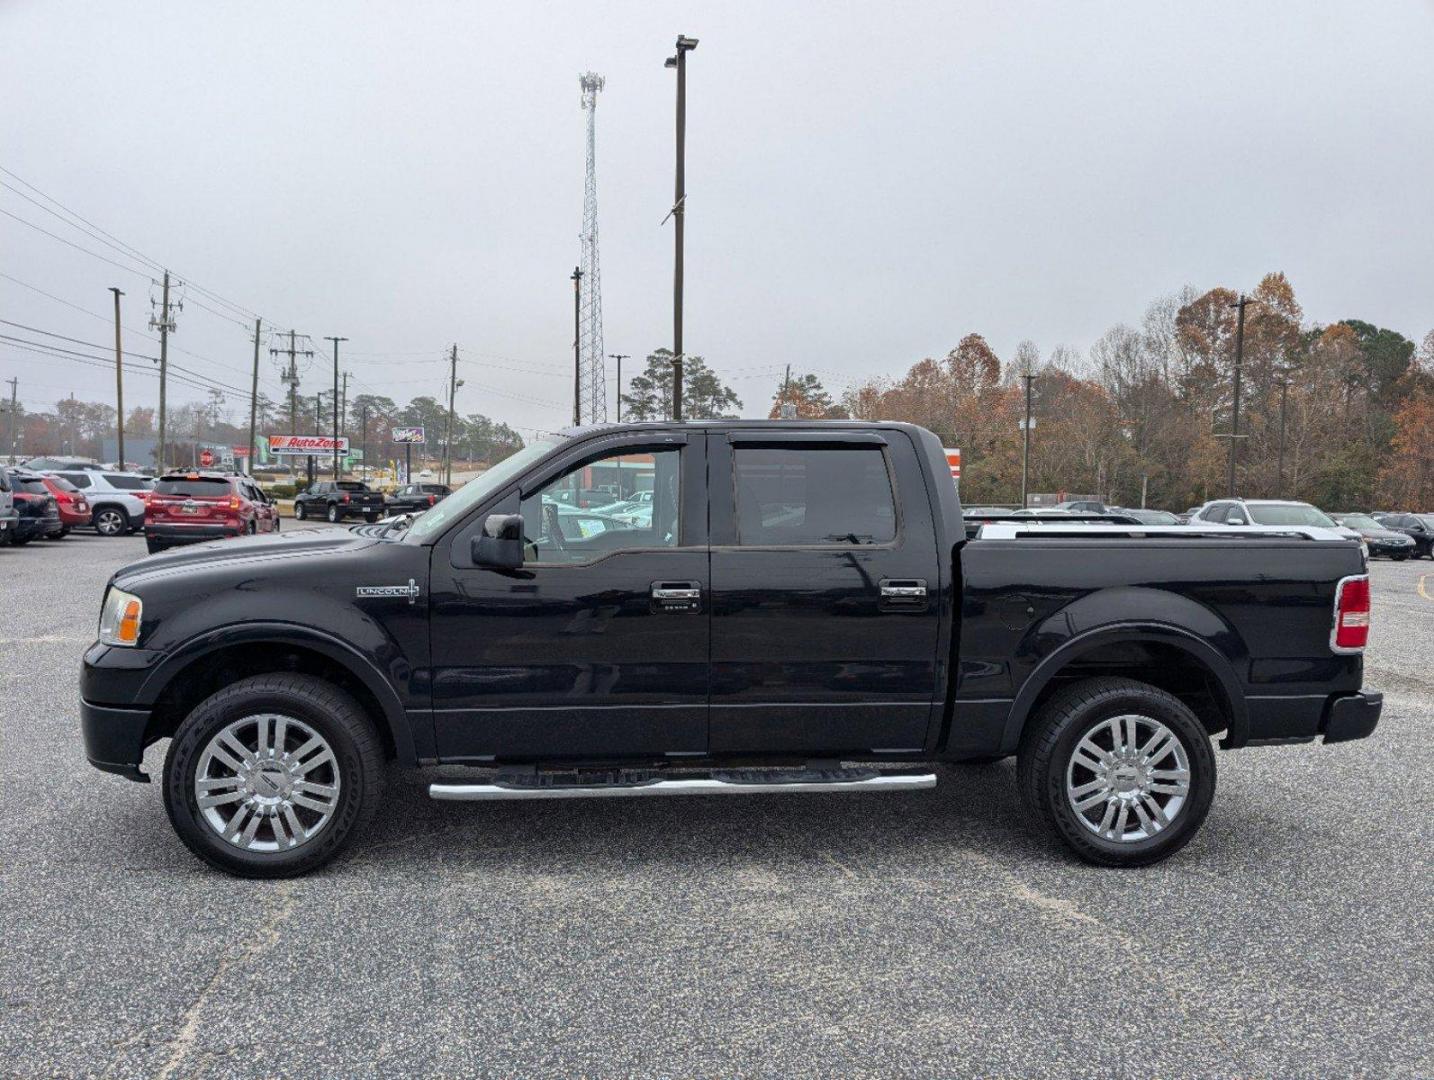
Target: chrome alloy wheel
{"points": [[267, 783], [1128, 778]]}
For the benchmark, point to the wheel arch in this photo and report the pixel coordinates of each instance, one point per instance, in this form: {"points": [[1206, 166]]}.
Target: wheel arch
{"points": [[211, 661], [1169, 657]]}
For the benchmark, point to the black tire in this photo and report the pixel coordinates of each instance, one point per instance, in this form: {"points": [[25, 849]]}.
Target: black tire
{"points": [[1399, 558], [325, 708], [64, 532], [111, 521], [155, 546], [300, 512], [1051, 738], [333, 515], [252, 529], [20, 541]]}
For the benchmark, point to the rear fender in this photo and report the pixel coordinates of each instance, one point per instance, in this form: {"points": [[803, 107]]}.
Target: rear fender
{"points": [[1133, 614]]}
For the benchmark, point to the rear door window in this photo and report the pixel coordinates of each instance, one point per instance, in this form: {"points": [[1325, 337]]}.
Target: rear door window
{"points": [[79, 479], [200, 488], [811, 496], [127, 483]]}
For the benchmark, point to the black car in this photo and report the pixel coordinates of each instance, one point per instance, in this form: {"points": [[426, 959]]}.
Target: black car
{"points": [[416, 498], [1418, 527], [801, 612], [39, 513], [1148, 517], [334, 500], [1377, 538]]}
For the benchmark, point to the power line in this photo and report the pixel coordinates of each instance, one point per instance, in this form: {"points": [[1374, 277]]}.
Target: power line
{"points": [[69, 243]]}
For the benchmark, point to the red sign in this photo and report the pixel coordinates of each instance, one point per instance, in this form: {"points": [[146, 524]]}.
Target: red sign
{"points": [[306, 444], [953, 459], [206, 458], [239, 451]]}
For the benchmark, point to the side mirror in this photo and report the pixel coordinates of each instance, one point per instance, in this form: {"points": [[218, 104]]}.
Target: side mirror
{"points": [[500, 546], [1234, 521]]}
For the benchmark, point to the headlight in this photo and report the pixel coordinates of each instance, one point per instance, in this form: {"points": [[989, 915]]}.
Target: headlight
{"points": [[120, 618]]}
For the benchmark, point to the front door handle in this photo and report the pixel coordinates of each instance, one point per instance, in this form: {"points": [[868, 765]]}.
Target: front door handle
{"points": [[676, 596], [903, 594]]}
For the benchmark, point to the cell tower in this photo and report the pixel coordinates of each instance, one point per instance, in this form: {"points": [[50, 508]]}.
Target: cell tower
{"points": [[592, 370]]}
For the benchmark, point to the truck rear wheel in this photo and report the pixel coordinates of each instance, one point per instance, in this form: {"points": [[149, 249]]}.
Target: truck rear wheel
{"points": [[273, 776], [1122, 771]]}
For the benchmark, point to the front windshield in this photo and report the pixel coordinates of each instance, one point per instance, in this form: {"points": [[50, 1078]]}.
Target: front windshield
{"points": [[432, 522], [1289, 515], [1361, 521]]}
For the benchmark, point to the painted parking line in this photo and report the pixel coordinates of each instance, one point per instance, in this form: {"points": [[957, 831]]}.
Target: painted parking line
{"points": [[1420, 587]]}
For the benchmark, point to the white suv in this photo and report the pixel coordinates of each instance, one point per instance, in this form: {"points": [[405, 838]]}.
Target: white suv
{"points": [[1267, 512], [117, 500]]}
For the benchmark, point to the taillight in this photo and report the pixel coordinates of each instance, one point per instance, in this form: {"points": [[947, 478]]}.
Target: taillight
{"points": [[1351, 615], [233, 502], [432, 500], [346, 498]]}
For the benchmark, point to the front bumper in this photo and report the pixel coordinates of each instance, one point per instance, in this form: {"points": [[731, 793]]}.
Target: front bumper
{"points": [[1389, 547], [114, 738]]}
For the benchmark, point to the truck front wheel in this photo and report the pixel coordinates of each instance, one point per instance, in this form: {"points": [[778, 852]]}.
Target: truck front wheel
{"points": [[1122, 771], [273, 776]]}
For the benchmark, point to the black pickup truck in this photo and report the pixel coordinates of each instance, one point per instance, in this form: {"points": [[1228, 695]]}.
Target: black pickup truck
{"points": [[802, 612]]}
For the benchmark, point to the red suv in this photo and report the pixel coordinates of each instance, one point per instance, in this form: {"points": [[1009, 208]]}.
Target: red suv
{"points": [[186, 508], [74, 507]]}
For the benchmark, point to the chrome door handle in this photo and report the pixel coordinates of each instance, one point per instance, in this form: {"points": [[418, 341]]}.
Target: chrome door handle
{"points": [[676, 596], [903, 592]]}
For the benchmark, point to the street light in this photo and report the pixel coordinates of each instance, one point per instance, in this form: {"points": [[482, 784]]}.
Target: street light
{"points": [[679, 61]]}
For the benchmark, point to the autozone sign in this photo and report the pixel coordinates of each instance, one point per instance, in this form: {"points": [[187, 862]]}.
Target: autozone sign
{"points": [[306, 444], [953, 459]]}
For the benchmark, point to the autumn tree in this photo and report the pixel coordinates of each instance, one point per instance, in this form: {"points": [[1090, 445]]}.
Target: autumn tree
{"points": [[809, 398]]}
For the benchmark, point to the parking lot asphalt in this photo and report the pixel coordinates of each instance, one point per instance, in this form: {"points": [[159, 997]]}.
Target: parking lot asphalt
{"points": [[923, 933]]}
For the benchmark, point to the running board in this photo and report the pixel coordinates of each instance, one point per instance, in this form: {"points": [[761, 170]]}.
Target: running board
{"points": [[634, 785]]}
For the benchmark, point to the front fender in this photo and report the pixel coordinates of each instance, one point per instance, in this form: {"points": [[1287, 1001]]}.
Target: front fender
{"points": [[363, 667]]}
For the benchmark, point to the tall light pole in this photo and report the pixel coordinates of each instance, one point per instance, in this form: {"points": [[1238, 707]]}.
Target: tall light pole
{"points": [[1235, 436], [1026, 444], [119, 380], [336, 341], [679, 61], [619, 357], [577, 346], [1284, 400]]}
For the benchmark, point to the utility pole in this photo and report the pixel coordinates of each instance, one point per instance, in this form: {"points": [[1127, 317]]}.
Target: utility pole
{"points": [[344, 407], [1026, 444], [679, 61], [577, 346], [165, 324], [1284, 400], [619, 357], [119, 380], [291, 377], [448, 433], [254, 394], [336, 341], [363, 413], [14, 417], [1239, 361]]}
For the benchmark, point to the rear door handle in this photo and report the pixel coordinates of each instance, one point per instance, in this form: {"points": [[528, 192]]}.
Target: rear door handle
{"points": [[676, 596], [903, 594]]}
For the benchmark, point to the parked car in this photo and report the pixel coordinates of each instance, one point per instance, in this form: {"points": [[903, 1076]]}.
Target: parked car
{"points": [[1269, 512], [1082, 506], [39, 514], [802, 615], [1146, 516], [8, 515], [74, 507], [190, 507], [1418, 527], [1377, 539], [335, 500], [415, 498], [117, 500]]}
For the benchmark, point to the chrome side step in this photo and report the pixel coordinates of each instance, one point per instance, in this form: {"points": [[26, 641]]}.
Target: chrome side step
{"points": [[634, 785]]}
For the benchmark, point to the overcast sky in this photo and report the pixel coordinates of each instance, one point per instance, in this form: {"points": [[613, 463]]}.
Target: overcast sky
{"points": [[867, 182]]}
